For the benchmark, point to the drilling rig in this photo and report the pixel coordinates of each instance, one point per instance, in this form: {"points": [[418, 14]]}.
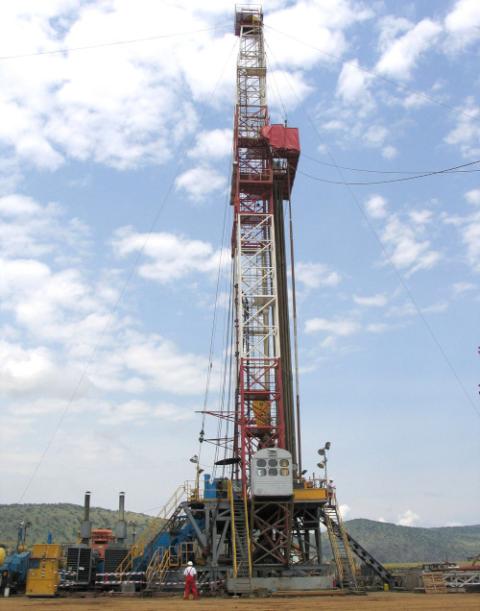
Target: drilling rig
{"points": [[258, 525]]}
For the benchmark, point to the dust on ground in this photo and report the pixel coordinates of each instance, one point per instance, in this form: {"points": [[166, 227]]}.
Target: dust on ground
{"points": [[381, 601]]}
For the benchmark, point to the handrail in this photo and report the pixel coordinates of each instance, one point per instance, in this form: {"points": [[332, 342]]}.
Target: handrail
{"points": [[232, 523], [346, 542], [247, 532], [138, 548]]}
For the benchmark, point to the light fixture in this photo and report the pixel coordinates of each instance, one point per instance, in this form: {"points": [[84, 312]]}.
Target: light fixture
{"points": [[304, 471], [194, 459], [321, 451], [327, 445], [320, 465]]}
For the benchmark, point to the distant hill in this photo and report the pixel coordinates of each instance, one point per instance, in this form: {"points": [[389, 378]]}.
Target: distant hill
{"points": [[61, 519], [387, 542], [392, 543]]}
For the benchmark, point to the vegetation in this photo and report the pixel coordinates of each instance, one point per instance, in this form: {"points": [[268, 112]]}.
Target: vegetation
{"points": [[392, 543], [387, 542], [62, 520]]}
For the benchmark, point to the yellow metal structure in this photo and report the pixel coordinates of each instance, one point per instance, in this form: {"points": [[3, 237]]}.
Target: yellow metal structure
{"points": [[310, 494], [43, 574]]}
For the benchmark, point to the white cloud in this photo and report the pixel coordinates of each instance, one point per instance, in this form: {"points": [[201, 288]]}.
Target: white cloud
{"points": [[376, 206], [466, 134], [462, 24], [462, 287], [319, 24], [375, 135], [171, 257], [315, 275], [377, 301], [338, 327], [200, 181], [473, 197], [408, 518], [344, 510], [389, 152], [378, 327], [420, 217], [353, 83], [214, 144], [401, 54], [406, 250]]}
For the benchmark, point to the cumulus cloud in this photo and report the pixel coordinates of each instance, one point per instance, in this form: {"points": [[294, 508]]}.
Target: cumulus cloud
{"points": [[170, 256], [376, 206], [466, 133], [376, 301], [408, 518], [215, 144], [315, 275], [407, 251], [339, 327], [200, 181], [322, 24], [353, 83], [462, 24], [401, 55]]}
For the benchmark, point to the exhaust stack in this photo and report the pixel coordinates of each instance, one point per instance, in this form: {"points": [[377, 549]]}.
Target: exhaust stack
{"points": [[121, 527], [86, 527]]}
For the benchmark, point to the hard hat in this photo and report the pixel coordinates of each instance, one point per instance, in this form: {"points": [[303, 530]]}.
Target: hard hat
{"points": [[190, 563]]}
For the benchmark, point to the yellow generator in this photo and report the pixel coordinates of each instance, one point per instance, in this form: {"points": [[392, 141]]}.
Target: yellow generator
{"points": [[43, 573]]}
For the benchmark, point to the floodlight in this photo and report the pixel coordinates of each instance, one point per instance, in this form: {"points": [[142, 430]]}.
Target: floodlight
{"points": [[327, 445], [321, 451], [194, 459], [321, 465]]}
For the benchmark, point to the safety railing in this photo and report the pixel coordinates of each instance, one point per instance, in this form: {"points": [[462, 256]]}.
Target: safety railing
{"points": [[154, 526], [232, 525]]}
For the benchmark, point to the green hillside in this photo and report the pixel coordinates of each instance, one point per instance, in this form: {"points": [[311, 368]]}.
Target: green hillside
{"points": [[61, 519], [387, 542], [392, 543]]}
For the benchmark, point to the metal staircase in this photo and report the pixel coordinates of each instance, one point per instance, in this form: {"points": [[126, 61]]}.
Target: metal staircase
{"points": [[157, 569], [155, 528], [340, 545], [242, 558]]}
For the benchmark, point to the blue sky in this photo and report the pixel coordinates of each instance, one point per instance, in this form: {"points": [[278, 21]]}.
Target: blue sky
{"points": [[113, 188]]}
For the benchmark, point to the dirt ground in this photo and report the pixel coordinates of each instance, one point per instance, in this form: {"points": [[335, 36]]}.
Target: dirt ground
{"points": [[371, 602]]}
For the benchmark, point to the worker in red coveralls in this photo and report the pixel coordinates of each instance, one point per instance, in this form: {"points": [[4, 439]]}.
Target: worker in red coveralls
{"points": [[190, 575]]}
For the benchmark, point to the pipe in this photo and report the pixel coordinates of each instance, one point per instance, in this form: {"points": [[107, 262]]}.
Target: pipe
{"points": [[121, 506], [86, 506]]}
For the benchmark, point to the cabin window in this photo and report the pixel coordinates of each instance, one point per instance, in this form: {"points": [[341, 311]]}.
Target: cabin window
{"points": [[261, 472], [272, 462], [261, 462], [284, 462], [284, 471], [273, 471]]}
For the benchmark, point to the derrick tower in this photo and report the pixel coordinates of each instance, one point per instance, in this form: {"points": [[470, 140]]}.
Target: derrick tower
{"points": [[260, 519], [265, 159]]}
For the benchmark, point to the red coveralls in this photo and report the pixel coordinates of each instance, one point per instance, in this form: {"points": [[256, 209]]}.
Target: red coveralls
{"points": [[190, 583]]}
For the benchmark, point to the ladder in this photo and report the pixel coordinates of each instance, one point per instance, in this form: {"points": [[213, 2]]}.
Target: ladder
{"points": [[434, 583], [157, 568], [156, 527], [340, 545], [242, 557]]}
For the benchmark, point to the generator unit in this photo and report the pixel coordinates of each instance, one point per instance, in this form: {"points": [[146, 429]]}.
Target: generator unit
{"points": [[80, 566], [43, 575]]}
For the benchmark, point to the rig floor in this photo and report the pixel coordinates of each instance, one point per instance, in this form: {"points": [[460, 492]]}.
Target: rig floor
{"points": [[388, 601]]}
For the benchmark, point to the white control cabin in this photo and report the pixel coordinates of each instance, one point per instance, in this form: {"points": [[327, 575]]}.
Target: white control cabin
{"points": [[272, 473]]}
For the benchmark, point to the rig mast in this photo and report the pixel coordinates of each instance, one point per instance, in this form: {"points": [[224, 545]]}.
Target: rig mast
{"points": [[265, 160], [259, 528]]}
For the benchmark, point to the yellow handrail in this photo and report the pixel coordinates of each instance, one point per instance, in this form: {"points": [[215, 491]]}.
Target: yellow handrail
{"points": [[247, 531], [232, 522], [149, 532]]}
